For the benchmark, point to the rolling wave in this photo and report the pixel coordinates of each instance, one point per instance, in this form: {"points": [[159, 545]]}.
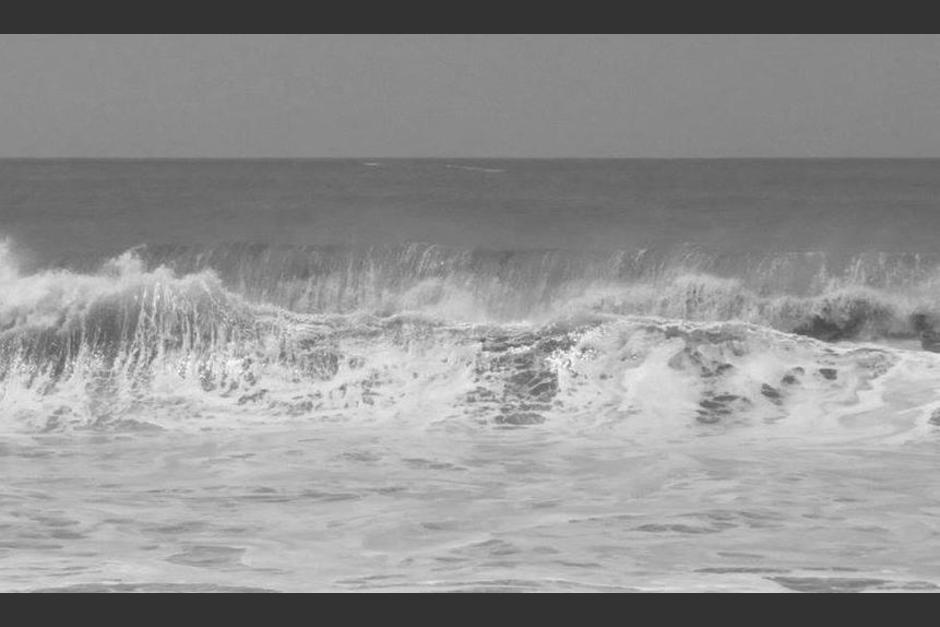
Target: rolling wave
{"points": [[170, 337], [862, 296]]}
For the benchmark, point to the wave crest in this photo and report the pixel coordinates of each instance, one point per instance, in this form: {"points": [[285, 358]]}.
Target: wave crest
{"points": [[142, 341]]}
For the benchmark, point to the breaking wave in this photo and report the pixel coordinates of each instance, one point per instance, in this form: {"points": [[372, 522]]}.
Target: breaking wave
{"points": [[185, 337], [865, 296]]}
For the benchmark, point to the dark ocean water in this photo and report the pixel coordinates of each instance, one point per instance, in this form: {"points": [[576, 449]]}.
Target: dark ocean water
{"points": [[66, 210], [469, 375]]}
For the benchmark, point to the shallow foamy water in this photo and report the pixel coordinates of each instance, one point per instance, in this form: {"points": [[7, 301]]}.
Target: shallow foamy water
{"points": [[333, 508]]}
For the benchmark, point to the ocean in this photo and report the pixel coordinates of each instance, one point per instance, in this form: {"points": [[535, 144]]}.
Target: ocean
{"points": [[469, 375]]}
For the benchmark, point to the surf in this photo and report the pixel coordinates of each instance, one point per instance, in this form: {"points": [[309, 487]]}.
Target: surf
{"points": [[425, 336]]}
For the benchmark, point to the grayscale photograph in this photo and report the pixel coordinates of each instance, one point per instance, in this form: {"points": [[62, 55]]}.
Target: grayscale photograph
{"points": [[476, 313]]}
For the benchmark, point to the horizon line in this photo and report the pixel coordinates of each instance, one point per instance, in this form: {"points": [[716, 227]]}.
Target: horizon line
{"points": [[473, 158]]}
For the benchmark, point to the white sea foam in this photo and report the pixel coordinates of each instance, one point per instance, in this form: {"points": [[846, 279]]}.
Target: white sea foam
{"points": [[132, 345]]}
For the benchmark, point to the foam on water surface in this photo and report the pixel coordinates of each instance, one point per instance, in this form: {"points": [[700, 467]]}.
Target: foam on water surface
{"points": [[163, 433], [293, 413]]}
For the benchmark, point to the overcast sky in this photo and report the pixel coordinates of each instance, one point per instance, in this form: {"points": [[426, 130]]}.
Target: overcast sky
{"points": [[469, 95]]}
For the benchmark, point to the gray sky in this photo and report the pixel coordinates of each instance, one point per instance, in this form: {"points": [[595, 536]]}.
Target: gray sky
{"points": [[469, 95]]}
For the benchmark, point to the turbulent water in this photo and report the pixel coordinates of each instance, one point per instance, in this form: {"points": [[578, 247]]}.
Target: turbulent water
{"points": [[488, 375]]}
